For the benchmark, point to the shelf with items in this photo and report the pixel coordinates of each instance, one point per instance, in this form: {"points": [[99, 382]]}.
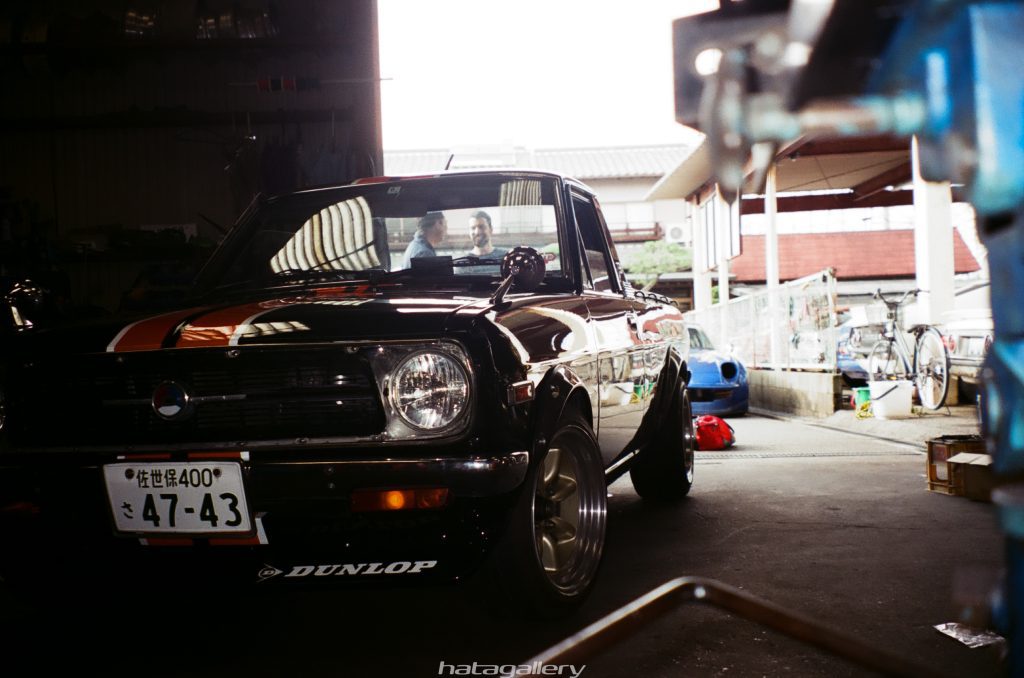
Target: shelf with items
{"points": [[121, 47], [171, 117]]}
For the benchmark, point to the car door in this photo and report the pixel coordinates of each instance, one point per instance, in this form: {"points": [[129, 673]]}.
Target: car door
{"points": [[623, 382], [656, 324], [661, 326]]}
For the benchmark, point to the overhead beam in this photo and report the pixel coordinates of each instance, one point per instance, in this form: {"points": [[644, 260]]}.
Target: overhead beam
{"points": [[845, 146], [833, 201], [897, 176], [836, 201]]}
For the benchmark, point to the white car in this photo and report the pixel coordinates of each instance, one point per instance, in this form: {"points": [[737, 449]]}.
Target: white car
{"points": [[968, 340], [967, 333]]}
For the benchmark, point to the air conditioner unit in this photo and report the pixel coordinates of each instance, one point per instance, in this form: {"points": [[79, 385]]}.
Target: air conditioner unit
{"points": [[676, 233]]}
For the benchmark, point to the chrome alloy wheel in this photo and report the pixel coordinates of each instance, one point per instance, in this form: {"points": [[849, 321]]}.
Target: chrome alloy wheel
{"points": [[569, 513]]}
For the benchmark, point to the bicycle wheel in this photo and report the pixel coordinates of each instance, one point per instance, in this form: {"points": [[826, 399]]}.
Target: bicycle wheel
{"points": [[884, 363], [931, 368]]}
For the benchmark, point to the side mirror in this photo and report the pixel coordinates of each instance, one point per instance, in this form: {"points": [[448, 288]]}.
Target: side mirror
{"points": [[26, 306], [522, 266], [526, 266]]}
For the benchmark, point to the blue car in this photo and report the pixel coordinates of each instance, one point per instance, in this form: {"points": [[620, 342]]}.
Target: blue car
{"points": [[850, 357], [718, 382]]}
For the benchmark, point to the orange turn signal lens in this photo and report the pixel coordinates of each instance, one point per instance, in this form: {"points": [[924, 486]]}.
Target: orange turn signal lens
{"points": [[398, 500], [520, 392]]}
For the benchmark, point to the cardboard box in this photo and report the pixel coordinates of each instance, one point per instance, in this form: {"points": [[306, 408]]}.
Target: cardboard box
{"points": [[940, 451], [972, 473]]}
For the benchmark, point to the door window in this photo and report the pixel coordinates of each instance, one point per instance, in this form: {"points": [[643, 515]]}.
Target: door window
{"points": [[595, 249]]}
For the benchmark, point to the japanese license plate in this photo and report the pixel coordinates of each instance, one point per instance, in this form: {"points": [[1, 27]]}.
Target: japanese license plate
{"points": [[199, 497]]}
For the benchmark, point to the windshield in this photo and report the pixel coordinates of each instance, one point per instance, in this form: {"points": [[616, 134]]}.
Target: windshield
{"points": [[454, 225], [698, 339]]}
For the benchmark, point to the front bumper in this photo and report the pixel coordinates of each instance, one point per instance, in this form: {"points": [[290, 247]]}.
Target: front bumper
{"points": [[720, 399], [967, 368], [56, 510]]}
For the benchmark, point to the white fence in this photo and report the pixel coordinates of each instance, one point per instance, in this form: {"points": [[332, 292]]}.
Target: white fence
{"points": [[800, 314]]}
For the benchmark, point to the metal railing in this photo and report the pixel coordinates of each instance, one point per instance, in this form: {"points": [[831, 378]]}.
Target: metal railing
{"points": [[644, 231], [791, 327], [633, 617]]}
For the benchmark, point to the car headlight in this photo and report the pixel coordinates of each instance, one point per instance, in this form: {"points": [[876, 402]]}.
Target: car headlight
{"points": [[429, 390]]}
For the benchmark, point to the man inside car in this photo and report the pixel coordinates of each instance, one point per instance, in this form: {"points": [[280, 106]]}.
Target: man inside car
{"points": [[481, 231], [430, 232]]}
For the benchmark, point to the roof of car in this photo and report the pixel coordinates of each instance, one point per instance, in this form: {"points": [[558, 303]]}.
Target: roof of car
{"points": [[511, 171], [459, 172], [382, 179]]}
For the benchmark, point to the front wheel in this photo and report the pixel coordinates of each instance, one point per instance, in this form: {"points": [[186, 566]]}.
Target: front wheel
{"points": [[884, 363], [548, 560], [931, 365]]}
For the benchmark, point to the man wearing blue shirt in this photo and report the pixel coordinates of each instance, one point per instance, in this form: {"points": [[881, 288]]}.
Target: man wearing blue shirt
{"points": [[430, 232]]}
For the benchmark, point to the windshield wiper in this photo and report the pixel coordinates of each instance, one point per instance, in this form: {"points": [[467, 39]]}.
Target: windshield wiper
{"points": [[318, 273]]}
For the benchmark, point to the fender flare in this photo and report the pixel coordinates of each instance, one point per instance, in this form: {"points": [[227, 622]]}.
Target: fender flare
{"points": [[673, 379], [560, 388], [675, 375]]}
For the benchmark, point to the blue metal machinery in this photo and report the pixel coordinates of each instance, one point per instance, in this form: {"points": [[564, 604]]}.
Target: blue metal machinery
{"points": [[757, 73]]}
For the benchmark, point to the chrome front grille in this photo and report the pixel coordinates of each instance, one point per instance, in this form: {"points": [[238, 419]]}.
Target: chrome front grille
{"points": [[259, 394]]}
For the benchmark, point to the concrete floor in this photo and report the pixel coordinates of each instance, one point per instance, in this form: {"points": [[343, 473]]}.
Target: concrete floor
{"points": [[835, 526], [916, 430]]}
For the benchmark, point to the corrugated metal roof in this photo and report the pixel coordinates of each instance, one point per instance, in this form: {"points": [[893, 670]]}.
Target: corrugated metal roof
{"points": [[611, 162]]}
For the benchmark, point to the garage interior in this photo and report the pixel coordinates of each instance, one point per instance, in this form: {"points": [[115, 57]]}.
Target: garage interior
{"points": [[135, 134]]}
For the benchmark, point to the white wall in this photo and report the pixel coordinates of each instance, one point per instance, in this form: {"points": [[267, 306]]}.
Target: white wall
{"points": [[621, 190], [622, 201]]}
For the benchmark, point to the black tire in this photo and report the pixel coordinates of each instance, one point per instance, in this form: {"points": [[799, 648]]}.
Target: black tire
{"points": [[931, 365], [548, 560], [664, 471]]}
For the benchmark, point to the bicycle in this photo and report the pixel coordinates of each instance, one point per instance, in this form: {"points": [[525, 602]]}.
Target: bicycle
{"points": [[927, 367]]}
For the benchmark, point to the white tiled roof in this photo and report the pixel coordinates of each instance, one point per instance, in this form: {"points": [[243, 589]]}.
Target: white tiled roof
{"points": [[583, 163]]}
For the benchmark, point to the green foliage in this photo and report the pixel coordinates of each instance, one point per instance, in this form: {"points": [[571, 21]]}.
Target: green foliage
{"points": [[655, 258], [658, 257]]}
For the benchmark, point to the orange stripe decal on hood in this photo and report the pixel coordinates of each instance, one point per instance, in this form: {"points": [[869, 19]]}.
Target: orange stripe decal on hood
{"points": [[223, 327], [148, 334], [220, 327]]}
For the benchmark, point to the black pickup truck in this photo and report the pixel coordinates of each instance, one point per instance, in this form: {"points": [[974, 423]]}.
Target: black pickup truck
{"points": [[362, 386]]}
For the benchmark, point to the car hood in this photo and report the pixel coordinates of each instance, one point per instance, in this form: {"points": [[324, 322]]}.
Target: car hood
{"points": [[704, 361], [710, 357], [316, 315]]}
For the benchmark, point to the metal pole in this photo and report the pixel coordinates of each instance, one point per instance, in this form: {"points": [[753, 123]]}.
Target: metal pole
{"points": [[771, 263]]}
